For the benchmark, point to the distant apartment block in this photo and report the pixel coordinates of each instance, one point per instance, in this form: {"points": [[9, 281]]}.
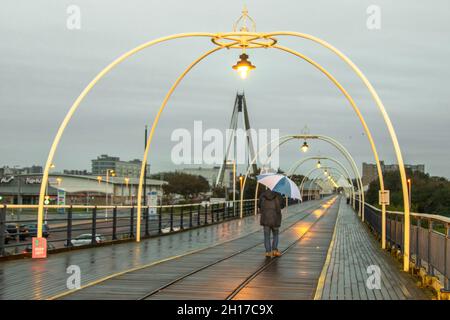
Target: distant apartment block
{"points": [[121, 168], [369, 170], [5, 171]]}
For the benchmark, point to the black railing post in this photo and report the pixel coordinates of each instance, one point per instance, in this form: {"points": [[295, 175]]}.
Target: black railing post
{"points": [[430, 266], [402, 238], [419, 226], [394, 238], [114, 226], [94, 226], [206, 213], [446, 275], [160, 220], [223, 210], [218, 212], [388, 227], [212, 212], [69, 228], [181, 218], [171, 218], [198, 215], [226, 210], [2, 230], [132, 222], [147, 211], [190, 216]]}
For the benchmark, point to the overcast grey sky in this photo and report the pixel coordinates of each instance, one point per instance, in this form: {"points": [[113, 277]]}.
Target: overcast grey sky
{"points": [[44, 66]]}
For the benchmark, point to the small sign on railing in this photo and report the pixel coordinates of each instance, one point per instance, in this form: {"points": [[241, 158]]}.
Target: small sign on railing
{"points": [[383, 197], [39, 247]]}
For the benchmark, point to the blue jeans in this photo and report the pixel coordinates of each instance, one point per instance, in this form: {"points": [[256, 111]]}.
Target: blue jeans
{"points": [[267, 231]]}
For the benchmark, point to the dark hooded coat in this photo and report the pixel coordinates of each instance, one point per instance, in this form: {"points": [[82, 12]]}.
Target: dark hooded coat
{"points": [[270, 204]]}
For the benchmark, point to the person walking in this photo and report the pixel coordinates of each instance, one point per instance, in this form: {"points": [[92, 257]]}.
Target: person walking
{"points": [[270, 205]]}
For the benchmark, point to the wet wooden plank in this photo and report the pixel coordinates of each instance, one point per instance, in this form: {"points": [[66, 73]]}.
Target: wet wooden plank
{"points": [[294, 276], [40, 279], [212, 283], [354, 250]]}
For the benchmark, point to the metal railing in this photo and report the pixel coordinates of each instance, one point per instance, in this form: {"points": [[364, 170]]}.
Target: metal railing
{"points": [[80, 225], [429, 244]]}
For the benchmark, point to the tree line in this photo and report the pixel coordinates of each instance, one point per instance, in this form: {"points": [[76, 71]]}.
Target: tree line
{"points": [[429, 194]]}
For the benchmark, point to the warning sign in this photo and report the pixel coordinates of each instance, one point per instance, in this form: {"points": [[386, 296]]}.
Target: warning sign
{"points": [[39, 246], [383, 197]]}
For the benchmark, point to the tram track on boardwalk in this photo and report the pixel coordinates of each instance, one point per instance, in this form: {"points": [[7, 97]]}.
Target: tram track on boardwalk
{"points": [[244, 283], [311, 208], [254, 274]]}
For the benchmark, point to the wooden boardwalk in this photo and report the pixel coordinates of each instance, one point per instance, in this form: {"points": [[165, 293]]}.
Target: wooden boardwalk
{"points": [[326, 253], [42, 279], [209, 274], [295, 275], [354, 250]]}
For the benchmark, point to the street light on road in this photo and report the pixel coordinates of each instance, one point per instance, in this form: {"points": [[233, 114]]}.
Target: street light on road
{"points": [[241, 184], [233, 162], [127, 180], [409, 192], [113, 174]]}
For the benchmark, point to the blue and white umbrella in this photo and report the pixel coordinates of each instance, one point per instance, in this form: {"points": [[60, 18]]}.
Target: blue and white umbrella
{"points": [[281, 184]]}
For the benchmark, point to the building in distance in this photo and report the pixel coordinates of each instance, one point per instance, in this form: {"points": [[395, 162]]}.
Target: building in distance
{"points": [[104, 162], [34, 169], [370, 173]]}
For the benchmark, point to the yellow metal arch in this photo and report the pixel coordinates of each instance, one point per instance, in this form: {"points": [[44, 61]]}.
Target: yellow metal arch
{"points": [[81, 97], [309, 60], [152, 131], [390, 127], [246, 37]]}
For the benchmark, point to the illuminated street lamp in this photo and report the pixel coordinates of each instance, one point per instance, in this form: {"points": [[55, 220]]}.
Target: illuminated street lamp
{"points": [[243, 66], [113, 174], [233, 162], [318, 164], [127, 180], [305, 147], [409, 192]]}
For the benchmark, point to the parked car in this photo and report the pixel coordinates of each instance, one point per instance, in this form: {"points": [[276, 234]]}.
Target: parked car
{"points": [[7, 237], [29, 248], [14, 230], [86, 238], [32, 230]]}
